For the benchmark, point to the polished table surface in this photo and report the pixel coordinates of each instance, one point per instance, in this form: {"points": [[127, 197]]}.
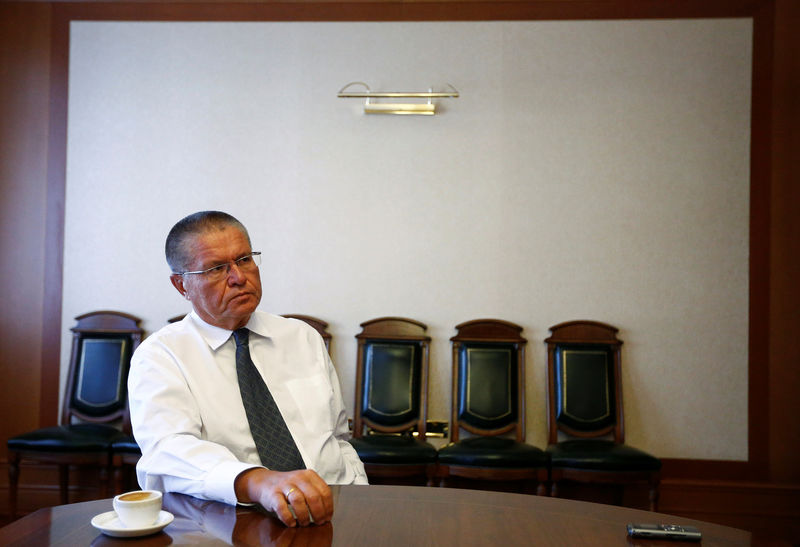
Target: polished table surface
{"points": [[375, 516]]}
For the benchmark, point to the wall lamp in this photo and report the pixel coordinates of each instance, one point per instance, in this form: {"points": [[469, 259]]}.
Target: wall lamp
{"points": [[414, 108]]}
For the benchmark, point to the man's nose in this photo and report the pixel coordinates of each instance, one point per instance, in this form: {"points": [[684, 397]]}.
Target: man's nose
{"points": [[235, 274]]}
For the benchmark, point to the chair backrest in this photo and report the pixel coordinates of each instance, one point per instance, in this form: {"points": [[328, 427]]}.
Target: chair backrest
{"points": [[320, 325], [102, 345], [584, 381], [392, 376], [488, 379]]}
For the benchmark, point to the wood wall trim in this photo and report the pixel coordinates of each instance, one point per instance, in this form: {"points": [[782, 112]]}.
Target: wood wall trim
{"points": [[762, 12], [784, 259], [54, 229], [394, 10], [25, 31], [760, 226]]}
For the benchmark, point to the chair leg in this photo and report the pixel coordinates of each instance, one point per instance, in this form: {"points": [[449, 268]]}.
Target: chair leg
{"points": [[430, 473], [118, 479], [63, 482], [13, 482], [619, 495], [541, 489], [542, 480], [104, 480], [653, 495], [120, 475], [131, 481]]}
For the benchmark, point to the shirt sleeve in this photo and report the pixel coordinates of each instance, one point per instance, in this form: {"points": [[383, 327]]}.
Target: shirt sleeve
{"points": [[167, 426], [354, 468]]}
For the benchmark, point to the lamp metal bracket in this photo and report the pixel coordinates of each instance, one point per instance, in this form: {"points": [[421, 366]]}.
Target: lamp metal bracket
{"points": [[427, 108]]}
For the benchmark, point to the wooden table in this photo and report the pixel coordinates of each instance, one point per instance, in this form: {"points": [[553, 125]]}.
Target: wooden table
{"points": [[379, 516]]}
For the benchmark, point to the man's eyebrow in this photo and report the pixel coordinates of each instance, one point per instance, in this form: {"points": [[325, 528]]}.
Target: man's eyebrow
{"points": [[222, 262]]}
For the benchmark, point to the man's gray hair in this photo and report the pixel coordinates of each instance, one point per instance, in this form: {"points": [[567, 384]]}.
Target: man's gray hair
{"points": [[195, 224]]}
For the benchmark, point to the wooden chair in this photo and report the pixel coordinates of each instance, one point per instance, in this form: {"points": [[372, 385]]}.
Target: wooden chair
{"points": [[488, 401], [585, 403], [320, 325], [95, 409], [392, 402]]}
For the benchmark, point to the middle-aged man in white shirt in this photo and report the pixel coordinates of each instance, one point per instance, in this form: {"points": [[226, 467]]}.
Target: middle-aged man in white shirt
{"points": [[186, 408]]}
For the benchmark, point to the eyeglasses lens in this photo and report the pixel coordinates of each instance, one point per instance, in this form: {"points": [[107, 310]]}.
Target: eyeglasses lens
{"points": [[246, 264]]}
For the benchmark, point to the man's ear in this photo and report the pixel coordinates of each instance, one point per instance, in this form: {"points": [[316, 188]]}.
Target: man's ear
{"points": [[177, 282]]}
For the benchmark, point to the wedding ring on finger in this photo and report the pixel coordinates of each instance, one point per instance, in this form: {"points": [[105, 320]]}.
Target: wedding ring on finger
{"points": [[291, 509]]}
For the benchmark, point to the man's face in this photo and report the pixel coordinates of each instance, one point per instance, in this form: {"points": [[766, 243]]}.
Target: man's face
{"points": [[228, 302]]}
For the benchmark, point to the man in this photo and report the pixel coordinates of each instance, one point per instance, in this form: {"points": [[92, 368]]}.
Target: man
{"points": [[186, 402]]}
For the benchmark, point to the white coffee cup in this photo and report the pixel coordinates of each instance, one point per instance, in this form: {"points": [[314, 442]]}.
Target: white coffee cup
{"points": [[139, 508]]}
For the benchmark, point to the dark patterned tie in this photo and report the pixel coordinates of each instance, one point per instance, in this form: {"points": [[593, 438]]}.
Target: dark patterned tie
{"points": [[274, 443]]}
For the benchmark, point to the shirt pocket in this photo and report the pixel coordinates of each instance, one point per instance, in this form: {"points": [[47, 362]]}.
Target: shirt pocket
{"points": [[313, 397]]}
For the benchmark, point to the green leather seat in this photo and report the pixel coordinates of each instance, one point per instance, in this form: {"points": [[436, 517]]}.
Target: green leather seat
{"points": [[67, 438], [76, 444], [492, 452], [601, 455], [585, 406], [489, 404], [126, 444], [393, 450], [391, 402]]}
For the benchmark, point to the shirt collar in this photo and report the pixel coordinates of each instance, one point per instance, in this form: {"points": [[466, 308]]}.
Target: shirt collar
{"points": [[258, 324], [216, 336]]}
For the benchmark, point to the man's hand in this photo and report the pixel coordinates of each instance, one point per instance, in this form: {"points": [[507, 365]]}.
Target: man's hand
{"points": [[310, 497]]}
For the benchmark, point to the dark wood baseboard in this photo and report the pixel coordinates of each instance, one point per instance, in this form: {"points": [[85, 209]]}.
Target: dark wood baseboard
{"points": [[770, 510]]}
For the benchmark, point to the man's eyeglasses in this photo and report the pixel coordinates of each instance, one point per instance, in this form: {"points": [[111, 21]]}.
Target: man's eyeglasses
{"points": [[247, 263]]}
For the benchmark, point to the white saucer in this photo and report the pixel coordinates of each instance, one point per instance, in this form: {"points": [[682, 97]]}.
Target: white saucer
{"points": [[109, 524]]}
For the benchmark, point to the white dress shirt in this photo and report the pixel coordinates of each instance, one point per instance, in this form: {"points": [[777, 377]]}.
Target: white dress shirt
{"points": [[187, 413]]}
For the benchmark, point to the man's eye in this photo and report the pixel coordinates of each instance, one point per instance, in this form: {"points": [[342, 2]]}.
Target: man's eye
{"points": [[245, 260], [215, 269]]}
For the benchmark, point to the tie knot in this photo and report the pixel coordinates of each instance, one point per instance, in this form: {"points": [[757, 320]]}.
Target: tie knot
{"points": [[241, 336]]}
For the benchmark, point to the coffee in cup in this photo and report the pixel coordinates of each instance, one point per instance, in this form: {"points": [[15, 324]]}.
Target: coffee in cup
{"points": [[138, 509]]}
